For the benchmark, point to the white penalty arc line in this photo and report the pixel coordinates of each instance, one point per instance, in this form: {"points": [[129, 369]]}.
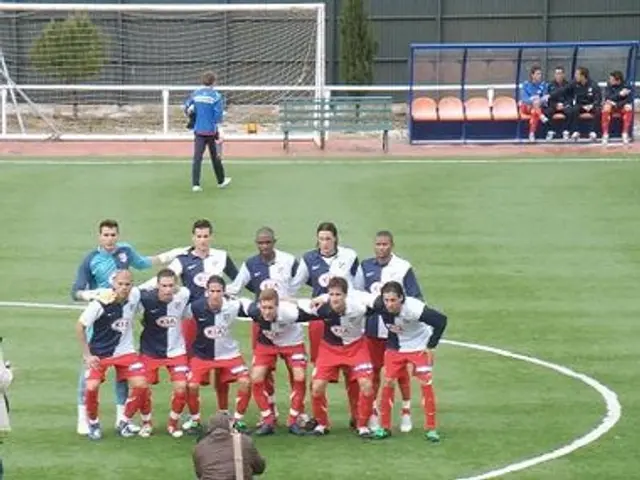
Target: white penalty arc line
{"points": [[355, 161], [612, 404]]}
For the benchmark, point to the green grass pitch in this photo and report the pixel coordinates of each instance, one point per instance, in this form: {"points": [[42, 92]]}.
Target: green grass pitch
{"points": [[537, 258]]}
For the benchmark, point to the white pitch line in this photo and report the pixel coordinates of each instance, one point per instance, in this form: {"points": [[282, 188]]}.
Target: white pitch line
{"points": [[612, 404], [355, 161]]}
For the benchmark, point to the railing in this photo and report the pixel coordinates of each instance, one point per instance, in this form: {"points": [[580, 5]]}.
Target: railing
{"points": [[166, 93]]}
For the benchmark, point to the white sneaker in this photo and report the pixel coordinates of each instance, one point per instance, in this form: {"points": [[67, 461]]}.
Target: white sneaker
{"points": [[575, 136], [566, 135], [625, 138], [605, 139], [227, 181], [146, 430], [175, 432], [374, 422], [83, 424], [550, 135], [593, 136], [405, 424], [532, 137], [196, 188]]}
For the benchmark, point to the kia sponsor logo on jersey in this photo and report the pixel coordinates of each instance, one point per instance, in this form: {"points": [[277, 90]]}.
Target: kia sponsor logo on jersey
{"points": [[216, 331], [120, 325], [270, 283], [167, 322]]}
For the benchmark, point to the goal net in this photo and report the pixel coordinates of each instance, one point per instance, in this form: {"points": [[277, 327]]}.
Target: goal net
{"points": [[124, 70]]}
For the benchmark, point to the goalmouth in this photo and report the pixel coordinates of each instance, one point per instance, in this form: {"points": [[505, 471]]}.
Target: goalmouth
{"points": [[125, 72]]}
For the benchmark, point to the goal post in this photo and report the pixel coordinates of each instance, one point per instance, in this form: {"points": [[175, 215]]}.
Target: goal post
{"points": [[122, 71]]}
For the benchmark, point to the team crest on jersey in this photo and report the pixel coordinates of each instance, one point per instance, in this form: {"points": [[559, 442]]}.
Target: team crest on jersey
{"points": [[339, 330], [201, 279], [167, 322], [395, 328], [122, 256], [375, 288], [323, 280], [120, 325], [216, 331]]}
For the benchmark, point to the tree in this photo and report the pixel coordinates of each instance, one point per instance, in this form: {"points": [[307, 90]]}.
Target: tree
{"points": [[357, 44], [70, 50]]}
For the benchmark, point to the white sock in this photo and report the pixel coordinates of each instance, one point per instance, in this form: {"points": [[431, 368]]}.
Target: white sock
{"points": [[406, 404], [82, 413]]}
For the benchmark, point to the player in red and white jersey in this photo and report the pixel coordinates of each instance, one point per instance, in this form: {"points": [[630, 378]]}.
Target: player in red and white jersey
{"points": [[415, 330], [280, 335], [269, 269], [111, 318], [372, 273], [343, 347], [162, 343], [215, 350], [316, 268]]}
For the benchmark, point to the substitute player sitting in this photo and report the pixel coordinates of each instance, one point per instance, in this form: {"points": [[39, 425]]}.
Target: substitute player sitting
{"points": [[618, 98], [111, 345], [372, 274], [532, 94], [342, 347], [162, 344], [280, 336], [413, 327], [215, 351]]}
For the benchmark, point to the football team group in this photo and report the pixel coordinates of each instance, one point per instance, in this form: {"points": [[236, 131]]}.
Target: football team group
{"points": [[366, 319]]}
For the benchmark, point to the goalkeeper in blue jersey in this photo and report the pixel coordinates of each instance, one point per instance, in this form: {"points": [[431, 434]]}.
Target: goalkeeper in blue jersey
{"points": [[204, 107], [94, 279]]}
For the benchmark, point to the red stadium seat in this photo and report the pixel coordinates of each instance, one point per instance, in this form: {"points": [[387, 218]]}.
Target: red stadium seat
{"points": [[505, 108], [424, 109], [450, 109], [477, 108]]}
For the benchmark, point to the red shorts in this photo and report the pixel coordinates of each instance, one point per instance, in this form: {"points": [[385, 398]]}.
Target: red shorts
{"points": [[189, 332], [227, 371], [178, 368], [377, 347], [294, 356], [127, 366], [353, 358], [316, 332], [395, 364]]}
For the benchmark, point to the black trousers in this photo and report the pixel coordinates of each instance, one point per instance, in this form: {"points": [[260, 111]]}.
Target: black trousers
{"points": [[573, 117], [200, 144], [557, 124]]}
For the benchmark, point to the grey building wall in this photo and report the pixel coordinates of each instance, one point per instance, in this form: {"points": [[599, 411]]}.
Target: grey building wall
{"points": [[396, 23]]}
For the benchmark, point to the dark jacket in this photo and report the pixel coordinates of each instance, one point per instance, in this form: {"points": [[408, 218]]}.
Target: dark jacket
{"points": [[579, 94], [213, 457], [612, 94], [561, 96]]}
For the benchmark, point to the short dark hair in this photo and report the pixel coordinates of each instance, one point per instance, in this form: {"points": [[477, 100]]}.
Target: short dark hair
{"points": [[202, 223], [534, 69], [393, 287], [217, 279], [618, 75], [266, 231], [385, 234], [108, 223], [584, 71], [560, 67], [328, 227], [339, 283], [166, 273], [208, 78]]}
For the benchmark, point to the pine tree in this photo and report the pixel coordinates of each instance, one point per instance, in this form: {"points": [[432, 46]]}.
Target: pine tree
{"points": [[357, 44]]}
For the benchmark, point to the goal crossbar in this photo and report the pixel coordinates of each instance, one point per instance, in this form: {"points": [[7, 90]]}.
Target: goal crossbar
{"points": [[159, 8]]}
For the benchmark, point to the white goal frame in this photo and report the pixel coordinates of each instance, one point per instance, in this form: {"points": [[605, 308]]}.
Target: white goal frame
{"points": [[8, 89]]}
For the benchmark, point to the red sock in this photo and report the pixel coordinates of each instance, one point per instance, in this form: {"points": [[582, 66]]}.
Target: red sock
{"points": [[137, 396], [146, 404], [605, 121], [365, 408], [298, 392], [534, 120], [353, 393], [386, 406], [404, 384], [193, 402], [178, 401], [242, 401], [627, 118], [319, 407], [261, 399], [222, 394], [91, 403], [429, 406]]}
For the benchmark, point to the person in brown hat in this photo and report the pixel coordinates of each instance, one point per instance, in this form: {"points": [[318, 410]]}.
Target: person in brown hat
{"points": [[223, 454]]}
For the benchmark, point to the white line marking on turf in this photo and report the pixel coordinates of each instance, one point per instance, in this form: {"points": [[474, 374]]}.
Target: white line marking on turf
{"points": [[355, 161], [612, 404]]}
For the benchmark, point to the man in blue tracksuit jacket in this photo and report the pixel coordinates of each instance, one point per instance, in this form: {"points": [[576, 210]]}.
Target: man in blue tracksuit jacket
{"points": [[205, 106]]}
